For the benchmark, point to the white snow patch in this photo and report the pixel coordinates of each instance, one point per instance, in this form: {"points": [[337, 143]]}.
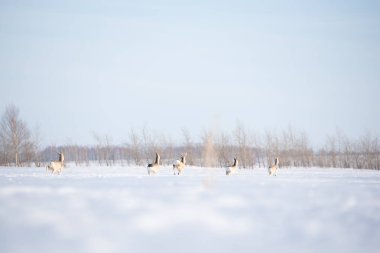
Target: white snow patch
{"points": [[121, 209]]}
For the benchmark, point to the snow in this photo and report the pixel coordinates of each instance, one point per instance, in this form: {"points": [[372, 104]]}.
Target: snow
{"points": [[122, 209]]}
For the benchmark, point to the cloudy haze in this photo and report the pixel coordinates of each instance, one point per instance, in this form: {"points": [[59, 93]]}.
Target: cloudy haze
{"points": [[80, 67]]}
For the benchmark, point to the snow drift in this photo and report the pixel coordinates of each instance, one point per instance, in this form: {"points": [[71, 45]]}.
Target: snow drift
{"points": [[121, 209]]}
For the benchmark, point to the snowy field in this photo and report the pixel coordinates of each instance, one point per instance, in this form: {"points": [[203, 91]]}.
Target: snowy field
{"points": [[121, 209]]}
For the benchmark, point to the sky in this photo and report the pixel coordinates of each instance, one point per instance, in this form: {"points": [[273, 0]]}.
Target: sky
{"points": [[75, 68]]}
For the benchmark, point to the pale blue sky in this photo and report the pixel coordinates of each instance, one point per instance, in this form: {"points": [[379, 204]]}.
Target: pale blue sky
{"points": [[78, 67]]}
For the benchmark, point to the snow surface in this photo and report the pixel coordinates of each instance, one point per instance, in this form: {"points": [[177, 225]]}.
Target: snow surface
{"points": [[122, 209]]}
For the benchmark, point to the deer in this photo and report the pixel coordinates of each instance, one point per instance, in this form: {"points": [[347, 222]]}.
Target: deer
{"points": [[273, 168], [179, 165], [154, 167], [231, 169], [57, 166]]}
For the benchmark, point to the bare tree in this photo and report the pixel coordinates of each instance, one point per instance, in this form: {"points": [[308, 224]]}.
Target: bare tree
{"points": [[224, 149], [188, 146], [149, 144], [288, 147], [306, 153], [331, 147], [348, 151], [16, 142], [166, 147], [368, 149], [37, 146], [376, 151], [135, 146], [242, 142], [104, 149], [272, 146], [209, 158], [340, 140], [258, 151]]}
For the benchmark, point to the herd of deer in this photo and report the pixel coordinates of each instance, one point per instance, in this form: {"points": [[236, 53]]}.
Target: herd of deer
{"points": [[153, 168]]}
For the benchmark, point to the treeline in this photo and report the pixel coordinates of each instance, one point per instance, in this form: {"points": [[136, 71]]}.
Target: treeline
{"points": [[19, 147], [218, 149]]}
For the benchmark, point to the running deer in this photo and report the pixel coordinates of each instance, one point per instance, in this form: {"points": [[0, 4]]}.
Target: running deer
{"points": [[179, 165], [273, 168], [154, 167], [231, 169], [57, 166]]}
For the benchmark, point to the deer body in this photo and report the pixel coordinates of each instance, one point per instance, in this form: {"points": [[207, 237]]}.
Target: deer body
{"points": [[179, 165], [231, 169], [57, 166], [153, 168], [273, 168]]}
